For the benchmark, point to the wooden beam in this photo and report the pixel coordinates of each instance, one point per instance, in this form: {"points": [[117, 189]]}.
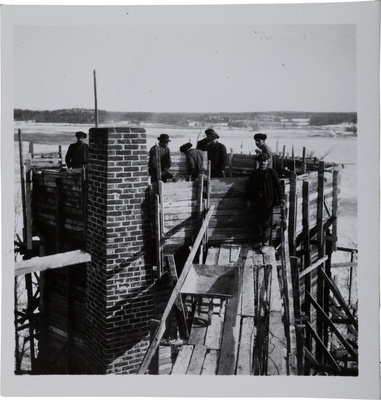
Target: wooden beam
{"points": [[348, 264], [54, 261], [333, 327], [334, 289], [312, 266], [188, 264], [320, 342]]}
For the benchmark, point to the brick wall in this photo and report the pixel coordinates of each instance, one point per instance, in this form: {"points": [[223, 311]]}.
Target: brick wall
{"points": [[119, 295]]}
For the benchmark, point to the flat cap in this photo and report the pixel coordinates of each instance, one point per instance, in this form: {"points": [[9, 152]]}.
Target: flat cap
{"points": [[185, 147], [263, 156], [211, 132], [81, 135], [260, 136]]}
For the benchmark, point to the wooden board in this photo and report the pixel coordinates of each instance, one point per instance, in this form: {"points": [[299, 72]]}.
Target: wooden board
{"points": [[246, 347], [59, 260], [214, 331], [224, 256], [210, 363], [199, 328], [231, 329], [235, 251], [197, 360], [182, 361], [277, 338], [247, 308], [212, 256]]}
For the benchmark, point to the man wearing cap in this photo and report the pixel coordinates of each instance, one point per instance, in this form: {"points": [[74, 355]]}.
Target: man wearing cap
{"points": [[78, 153], [263, 148], [203, 143], [165, 159], [263, 191], [217, 154], [195, 160]]}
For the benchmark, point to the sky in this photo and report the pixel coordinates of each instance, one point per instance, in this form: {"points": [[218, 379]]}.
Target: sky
{"points": [[197, 66]]}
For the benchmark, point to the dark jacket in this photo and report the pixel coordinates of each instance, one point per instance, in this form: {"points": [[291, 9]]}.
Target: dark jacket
{"points": [[264, 188], [203, 144], [195, 161], [165, 161], [77, 155], [217, 156], [265, 149]]}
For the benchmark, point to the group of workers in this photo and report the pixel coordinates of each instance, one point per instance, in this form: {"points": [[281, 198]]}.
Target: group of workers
{"points": [[263, 189]]}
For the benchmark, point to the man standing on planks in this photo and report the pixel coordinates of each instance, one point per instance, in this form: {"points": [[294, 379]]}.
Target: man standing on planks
{"points": [[165, 159], [78, 153], [263, 148], [263, 191], [217, 154], [195, 160]]}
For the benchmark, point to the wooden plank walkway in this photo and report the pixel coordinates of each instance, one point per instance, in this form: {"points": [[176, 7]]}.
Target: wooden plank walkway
{"points": [[230, 336]]}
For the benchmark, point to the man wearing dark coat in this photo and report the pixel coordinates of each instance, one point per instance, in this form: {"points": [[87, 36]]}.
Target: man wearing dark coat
{"points": [[263, 148], [217, 154], [195, 160], [165, 159], [263, 191], [78, 153]]}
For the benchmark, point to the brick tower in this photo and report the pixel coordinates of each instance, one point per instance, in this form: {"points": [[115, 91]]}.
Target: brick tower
{"points": [[119, 294]]}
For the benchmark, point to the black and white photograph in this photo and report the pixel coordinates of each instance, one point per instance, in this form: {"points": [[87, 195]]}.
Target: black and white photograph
{"points": [[191, 190]]}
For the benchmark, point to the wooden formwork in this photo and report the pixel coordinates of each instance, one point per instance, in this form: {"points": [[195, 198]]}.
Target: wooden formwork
{"points": [[309, 223]]}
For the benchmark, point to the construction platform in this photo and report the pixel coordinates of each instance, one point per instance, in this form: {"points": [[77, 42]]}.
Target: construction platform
{"points": [[238, 331]]}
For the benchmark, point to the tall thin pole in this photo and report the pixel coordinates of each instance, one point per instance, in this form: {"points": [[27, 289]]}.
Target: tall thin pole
{"points": [[22, 178], [96, 100]]}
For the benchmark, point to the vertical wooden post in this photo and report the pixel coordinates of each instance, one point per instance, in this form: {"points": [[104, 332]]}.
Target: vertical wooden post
{"points": [[29, 289], [70, 308], [95, 100], [321, 252], [31, 149], [208, 198], [293, 159], [304, 165], [161, 200], [231, 163], [292, 215], [283, 155], [199, 212], [154, 365], [58, 198], [28, 203], [60, 155], [158, 163], [335, 206], [159, 258], [307, 261], [298, 319], [22, 178]]}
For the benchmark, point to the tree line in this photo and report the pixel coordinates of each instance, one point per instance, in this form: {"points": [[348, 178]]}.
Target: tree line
{"points": [[87, 116]]}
